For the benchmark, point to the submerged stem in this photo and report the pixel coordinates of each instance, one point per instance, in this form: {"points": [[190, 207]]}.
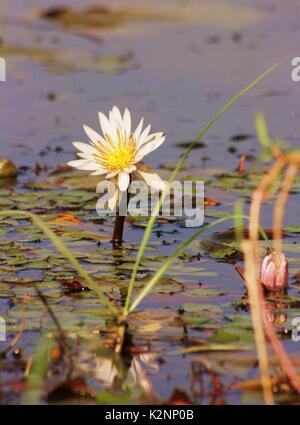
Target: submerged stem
{"points": [[118, 230]]}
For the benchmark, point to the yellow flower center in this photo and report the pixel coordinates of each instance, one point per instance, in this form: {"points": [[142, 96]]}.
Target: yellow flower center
{"points": [[115, 156]]}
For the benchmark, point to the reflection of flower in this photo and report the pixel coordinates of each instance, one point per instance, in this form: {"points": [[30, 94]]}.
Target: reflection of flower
{"points": [[273, 314], [274, 272], [118, 152], [102, 368], [106, 371]]}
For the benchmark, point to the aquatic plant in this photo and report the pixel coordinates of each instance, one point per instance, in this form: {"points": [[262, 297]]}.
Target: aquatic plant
{"points": [[274, 272], [147, 234], [117, 155], [288, 162], [121, 316]]}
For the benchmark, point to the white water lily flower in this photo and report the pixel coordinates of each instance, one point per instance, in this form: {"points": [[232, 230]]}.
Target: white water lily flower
{"points": [[118, 152]]}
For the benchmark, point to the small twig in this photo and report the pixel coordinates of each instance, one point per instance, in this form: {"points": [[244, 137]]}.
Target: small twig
{"points": [[28, 366], [62, 339], [240, 271]]}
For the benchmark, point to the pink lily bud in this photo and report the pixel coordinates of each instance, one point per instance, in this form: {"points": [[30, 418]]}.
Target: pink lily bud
{"points": [[274, 276]]}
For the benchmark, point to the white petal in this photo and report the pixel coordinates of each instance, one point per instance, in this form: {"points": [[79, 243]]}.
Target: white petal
{"points": [[104, 123], [143, 136], [153, 137], [111, 175], [83, 164], [92, 134], [114, 125], [116, 119], [149, 138], [130, 169], [123, 181], [113, 201], [127, 123], [84, 147], [152, 180], [75, 163], [117, 114], [138, 130], [85, 156], [111, 196], [99, 172], [149, 147]]}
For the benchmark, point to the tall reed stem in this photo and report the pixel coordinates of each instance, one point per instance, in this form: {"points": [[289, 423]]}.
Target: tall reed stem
{"points": [[255, 300], [251, 247]]}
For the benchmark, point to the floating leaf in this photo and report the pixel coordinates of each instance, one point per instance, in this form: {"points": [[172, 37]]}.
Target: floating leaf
{"points": [[204, 293], [202, 308]]}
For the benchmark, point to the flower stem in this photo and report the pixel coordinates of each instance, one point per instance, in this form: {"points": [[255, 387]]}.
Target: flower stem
{"points": [[120, 219], [118, 230]]}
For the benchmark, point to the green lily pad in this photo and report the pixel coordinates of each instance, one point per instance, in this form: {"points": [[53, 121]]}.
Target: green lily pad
{"points": [[204, 293]]}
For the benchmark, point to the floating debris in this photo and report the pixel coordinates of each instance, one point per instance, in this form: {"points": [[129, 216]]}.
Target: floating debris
{"points": [[219, 15], [7, 168]]}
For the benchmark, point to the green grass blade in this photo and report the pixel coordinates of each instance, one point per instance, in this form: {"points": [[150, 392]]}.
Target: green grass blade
{"points": [[262, 130], [238, 220], [63, 249], [38, 373], [181, 161]]}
